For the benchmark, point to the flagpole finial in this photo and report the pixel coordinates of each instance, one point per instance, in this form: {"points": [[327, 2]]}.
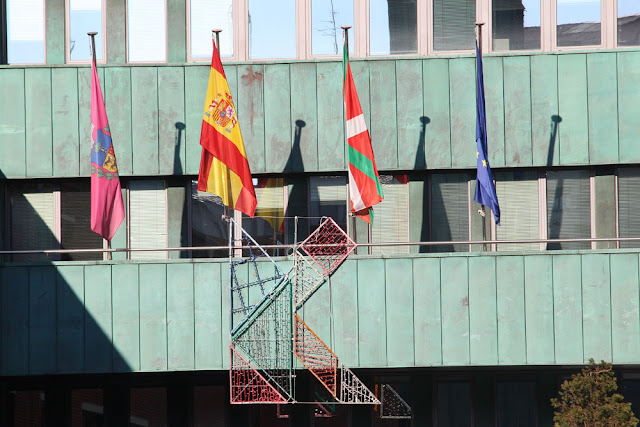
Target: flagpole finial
{"points": [[215, 33], [346, 27], [92, 44]]}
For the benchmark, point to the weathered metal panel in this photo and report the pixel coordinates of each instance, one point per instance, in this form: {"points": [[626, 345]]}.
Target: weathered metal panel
{"points": [[70, 319], [14, 291], [277, 116], [153, 317], [494, 94], [372, 333], [12, 124], [427, 314], [208, 315], [567, 308], [625, 317], [517, 111], [510, 306], [344, 299], [628, 67], [118, 86], [171, 121], [384, 121], [98, 331], [180, 317], [42, 320], [38, 137], [126, 317], [437, 115], [409, 112], [544, 110], [462, 99], [399, 312], [454, 297], [304, 119], [603, 107], [251, 114], [66, 139], [596, 306], [538, 297], [195, 83], [144, 119], [483, 316], [573, 109], [331, 142]]}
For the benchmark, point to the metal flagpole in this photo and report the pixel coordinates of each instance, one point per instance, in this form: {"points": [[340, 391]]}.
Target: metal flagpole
{"points": [[482, 212], [92, 44]]}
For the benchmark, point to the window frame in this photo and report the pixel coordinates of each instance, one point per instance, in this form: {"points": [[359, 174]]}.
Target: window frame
{"points": [[235, 37], [5, 37], [67, 34]]}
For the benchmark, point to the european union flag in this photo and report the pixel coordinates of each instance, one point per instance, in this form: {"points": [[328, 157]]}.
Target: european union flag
{"points": [[485, 189]]}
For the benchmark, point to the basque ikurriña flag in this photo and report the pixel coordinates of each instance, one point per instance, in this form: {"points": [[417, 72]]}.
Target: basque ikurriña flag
{"points": [[107, 210], [485, 188], [364, 181], [224, 169]]}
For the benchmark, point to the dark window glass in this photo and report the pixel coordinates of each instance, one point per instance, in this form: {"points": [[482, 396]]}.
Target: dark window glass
{"points": [[87, 408], [516, 404], [393, 27], [516, 24], [628, 23], [450, 211], [454, 24], [454, 404], [75, 222], [328, 197], [568, 208], [26, 408], [148, 407], [210, 407], [578, 22], [267, 226], [631, 392], [208, 228]]}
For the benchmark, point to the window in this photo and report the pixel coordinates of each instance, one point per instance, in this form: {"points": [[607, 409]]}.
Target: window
{"points": [[518, 196], [147, 30], [148, 407], [516, 403], [628, 20], [391, 216], [454, 403], [75, 222], [450, 210], [454, 24], [393, 27], [209, 406], [87, 408], [84, 16], [267, 226], [272, 29], [25, 32], [568, 208], [327, 18], [516, 25], [578, 22], [26, 407], [631, 391], [205, 16], [147, 218], [208, 228], [328, 197], [629, 205]]}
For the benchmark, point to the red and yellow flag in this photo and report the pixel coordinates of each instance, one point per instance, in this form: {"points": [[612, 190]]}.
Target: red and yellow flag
{"points": [[224, 169]]}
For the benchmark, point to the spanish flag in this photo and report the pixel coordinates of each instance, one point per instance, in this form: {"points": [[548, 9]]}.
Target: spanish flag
{"points": [[224, 169]]}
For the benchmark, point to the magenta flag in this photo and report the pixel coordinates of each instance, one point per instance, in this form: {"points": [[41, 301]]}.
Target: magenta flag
{"points": [[107, 210]]}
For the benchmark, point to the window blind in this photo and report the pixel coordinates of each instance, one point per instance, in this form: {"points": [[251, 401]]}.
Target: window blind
{"points": [[32, 223], [518, 197], [75, 222], [147, 218], [568, 208], [390, 223], [328, 197], [454, 24], [147, 30], [450, 211], [629, 205]]}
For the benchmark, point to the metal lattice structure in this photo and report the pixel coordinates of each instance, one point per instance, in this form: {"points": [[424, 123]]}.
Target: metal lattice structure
{"points": [[266, 332], [393, 405]]}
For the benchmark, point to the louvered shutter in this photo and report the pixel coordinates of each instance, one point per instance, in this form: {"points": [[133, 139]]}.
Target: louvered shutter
{"points": [[450, 211], [390, 222], [454, 24], [519, 220], [75, 222], [629, 205], [147, 218], [32, 223], [568, 208]]}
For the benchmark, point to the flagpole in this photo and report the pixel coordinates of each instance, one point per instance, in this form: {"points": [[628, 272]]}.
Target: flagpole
{"points": [[482, 212], [345, 37]]}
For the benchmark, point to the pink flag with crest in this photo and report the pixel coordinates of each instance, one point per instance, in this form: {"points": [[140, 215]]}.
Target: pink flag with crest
{"points": [[107, 210]]}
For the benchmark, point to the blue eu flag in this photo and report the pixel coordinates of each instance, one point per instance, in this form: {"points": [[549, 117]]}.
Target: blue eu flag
{"points": [[485, 189]]}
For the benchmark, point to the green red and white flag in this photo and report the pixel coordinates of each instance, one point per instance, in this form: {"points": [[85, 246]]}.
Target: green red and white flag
{"points": [[364, 181]]}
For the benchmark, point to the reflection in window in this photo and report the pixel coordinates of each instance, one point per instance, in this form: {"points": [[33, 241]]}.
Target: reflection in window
{"points": [[578, 22], [327, 18], [328, 197], [628, 23], [205, 16], [207, 226], [147, 30], [147, 218], [450, 211], [209, 406], [518, 196], [148, 407], [87, 408], [25, 31], [84, 16], [272, 29], [516, 403], [26, 407], [454, 404], [393, 27], [629, 205], [32, 216], [568, 208], [516, 25], [454, 24], [391, 222], [631, 391], [75, 224], [267, 226]]}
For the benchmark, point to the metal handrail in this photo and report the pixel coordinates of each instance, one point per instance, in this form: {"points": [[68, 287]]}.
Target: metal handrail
{"points": [[291, 246]]}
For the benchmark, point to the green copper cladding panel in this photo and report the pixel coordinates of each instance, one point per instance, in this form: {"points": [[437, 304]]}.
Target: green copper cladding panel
{"points": [[409, 114], [573, 109], [462, 99], [399, 312], [603, 107], [195, 82], [567, 308], [510, 307], [596, 306], [538, 297], [454, 291], [12, 124], [14, 291], [277, 116], [38, 137], [517, 110], [251, 113], [437, 131], [384, 121], [208, 315], [494, 87], [628, 70], [304, 119], [483, 325], [372, 333], [344, 297], [126, 317], [544, 110], [171, 121], [64, 105], [144, 116], [153, 317], [98, 318], [70, 319], [427, 312], [42, 319], [118, 85], [331, 140], [625, 318], [180, 317]]}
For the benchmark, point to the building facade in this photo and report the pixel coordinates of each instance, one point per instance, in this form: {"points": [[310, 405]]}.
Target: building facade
{"points": [[465, 333]]}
